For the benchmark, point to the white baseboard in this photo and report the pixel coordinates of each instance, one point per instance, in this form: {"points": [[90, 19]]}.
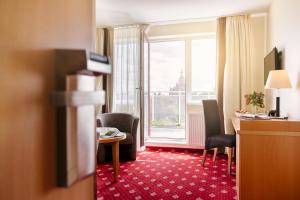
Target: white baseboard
{"points": [[173, 145]]}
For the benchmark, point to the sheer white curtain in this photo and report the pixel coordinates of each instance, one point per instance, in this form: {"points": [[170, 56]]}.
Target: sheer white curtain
{"points": [[239, 71], [126, 67]]}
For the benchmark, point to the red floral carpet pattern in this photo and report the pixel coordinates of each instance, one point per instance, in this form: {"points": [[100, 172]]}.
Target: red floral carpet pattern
{"points": [[164, 174]]}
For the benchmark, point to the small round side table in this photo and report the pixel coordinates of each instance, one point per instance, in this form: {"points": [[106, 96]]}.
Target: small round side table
{"points": [[115, 151]]}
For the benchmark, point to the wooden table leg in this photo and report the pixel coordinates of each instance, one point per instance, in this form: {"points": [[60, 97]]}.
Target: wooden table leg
{"points": [[229, 160], [204, 157], [115, 154]]}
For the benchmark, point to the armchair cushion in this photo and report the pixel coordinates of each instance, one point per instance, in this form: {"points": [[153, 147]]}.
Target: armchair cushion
{"points": [[220, 141]]}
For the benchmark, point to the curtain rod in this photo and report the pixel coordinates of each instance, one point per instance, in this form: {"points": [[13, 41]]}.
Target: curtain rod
{"points": [[123, 26], [194, 20], [260, 14]]}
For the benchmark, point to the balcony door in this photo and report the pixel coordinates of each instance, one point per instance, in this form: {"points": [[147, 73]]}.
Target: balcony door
{"points": [[178, 72], [166, 93]]}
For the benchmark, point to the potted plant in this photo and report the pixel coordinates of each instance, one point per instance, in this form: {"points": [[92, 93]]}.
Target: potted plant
{"points": [[256, 99]]}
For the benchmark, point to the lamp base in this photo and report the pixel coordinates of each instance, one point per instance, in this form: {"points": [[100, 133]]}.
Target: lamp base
{"points": [[277, 107]]}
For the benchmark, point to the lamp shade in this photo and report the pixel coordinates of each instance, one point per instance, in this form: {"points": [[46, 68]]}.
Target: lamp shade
{"points": [[278, 79]]}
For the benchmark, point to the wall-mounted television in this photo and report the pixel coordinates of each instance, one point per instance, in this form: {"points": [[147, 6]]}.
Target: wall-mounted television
{"points": [[271, 62]]}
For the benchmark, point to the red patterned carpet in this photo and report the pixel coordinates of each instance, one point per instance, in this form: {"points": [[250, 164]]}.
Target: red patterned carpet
{"points": [[164, 174]]}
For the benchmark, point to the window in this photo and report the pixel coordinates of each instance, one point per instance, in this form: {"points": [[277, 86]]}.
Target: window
{"points": [[167, 89], [180, 70], [203, 68], [167, 61], [188, 62]]}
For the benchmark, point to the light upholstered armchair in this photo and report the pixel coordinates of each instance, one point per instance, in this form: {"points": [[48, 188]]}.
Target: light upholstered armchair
{"points": [[125, 123]]}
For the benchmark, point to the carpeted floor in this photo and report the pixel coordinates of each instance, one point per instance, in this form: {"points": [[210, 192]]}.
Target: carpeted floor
{"points": [[168, 174]]}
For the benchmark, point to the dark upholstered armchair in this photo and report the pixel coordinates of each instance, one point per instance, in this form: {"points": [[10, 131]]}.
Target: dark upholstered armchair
{"points": [[125, 123], [214, 138]]}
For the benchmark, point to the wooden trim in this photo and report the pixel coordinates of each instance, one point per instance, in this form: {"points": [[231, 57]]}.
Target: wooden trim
{"points": [[270, 125], [274, 133], [265, 125]]}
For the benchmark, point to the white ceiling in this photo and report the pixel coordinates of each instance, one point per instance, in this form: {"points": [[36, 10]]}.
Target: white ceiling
{"points": [[119, 12]]}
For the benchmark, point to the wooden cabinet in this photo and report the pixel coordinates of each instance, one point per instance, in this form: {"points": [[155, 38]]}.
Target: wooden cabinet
{"points": [[268, 159]]}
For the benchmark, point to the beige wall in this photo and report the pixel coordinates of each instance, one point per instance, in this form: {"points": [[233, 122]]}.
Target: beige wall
{"points": [[259, 28], [29, 32], [284, 33], [182, 29]]}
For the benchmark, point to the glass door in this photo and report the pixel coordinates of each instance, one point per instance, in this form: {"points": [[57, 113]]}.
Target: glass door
{"points": [[165, 92], [145, 129]]}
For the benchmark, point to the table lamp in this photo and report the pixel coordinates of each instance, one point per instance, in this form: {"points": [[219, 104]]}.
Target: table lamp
{"points": [[278, 79]]}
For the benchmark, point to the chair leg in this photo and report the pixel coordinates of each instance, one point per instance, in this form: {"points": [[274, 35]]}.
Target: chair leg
{"points": [[229, 160], [215, 154], [204, 157], [234, 154]]}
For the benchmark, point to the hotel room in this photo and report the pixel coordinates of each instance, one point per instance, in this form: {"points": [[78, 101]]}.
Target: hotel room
{"points": [[128, 99]]}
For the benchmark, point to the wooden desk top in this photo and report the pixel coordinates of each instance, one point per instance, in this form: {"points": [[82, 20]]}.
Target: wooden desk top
{"points": [[270, 127]]}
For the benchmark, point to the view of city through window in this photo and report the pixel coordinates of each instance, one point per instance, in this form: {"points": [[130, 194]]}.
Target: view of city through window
{"points": [[168, 83], [203, 68], [167, 89]]}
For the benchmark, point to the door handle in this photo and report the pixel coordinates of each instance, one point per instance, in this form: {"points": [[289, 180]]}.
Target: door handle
{"points": [[78, 98]]}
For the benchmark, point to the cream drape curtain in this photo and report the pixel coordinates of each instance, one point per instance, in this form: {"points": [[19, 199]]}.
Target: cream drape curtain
{"points": [[221, 60], [109, 81], [100, 38], [126, 69], [239, 72], [104, 46]]}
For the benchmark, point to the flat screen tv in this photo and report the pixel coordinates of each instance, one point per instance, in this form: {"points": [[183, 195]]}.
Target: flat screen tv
{"points": [[271, 62]]}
